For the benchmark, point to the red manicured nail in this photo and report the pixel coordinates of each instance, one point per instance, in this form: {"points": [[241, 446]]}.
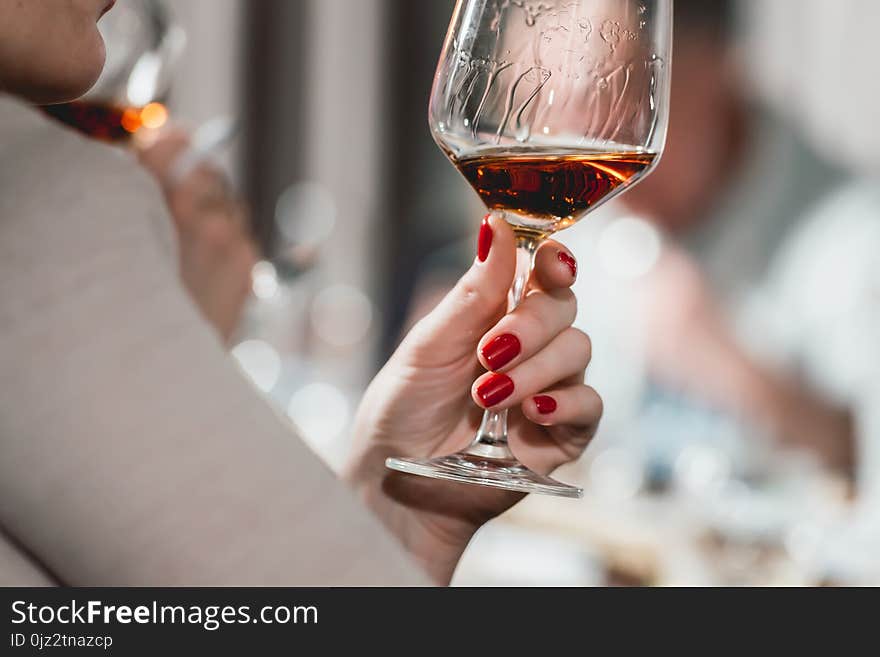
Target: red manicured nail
{"points": [[495, 390], [484, 243], [570, 262], [545, 404], [499, 351]]}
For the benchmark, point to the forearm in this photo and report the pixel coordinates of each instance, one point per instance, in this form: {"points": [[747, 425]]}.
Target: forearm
{"points": [[797, 416], [719, 370]]}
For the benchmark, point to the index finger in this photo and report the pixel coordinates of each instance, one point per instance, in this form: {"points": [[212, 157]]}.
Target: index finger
{"points": [[555, 267]]}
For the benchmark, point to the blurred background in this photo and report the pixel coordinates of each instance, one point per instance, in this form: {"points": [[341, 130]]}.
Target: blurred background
{"points": [[733, 298]]}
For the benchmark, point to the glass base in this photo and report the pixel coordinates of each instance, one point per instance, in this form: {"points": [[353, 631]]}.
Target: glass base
{"points": [[465, 468]]}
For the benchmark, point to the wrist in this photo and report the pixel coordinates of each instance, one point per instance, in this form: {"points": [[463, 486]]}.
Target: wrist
{"points": [[437, 549]]}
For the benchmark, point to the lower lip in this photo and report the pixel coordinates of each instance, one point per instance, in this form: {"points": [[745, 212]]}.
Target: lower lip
{"points": [[108, 7]]}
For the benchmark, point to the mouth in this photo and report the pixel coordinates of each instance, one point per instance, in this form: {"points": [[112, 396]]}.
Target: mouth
{"points": [[108, 7]]}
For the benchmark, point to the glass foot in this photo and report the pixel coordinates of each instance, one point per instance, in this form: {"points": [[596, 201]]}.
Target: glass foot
{"points": [[467, 468]]}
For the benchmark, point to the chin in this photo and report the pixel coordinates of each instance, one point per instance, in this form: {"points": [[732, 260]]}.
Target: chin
{"points": [[61, 91], [74, 81]]}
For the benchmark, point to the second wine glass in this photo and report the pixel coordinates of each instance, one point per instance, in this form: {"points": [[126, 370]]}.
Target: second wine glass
{"points": [[143, 44], [548, 109]]}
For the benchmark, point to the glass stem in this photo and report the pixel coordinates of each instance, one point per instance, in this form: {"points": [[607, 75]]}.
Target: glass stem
{"points": [[491, 439]]}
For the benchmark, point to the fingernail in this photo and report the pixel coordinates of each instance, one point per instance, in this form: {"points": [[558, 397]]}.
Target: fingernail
{"points": [[545, 404], [499, 351], [495, 390], [569, 262], [484, 243]]}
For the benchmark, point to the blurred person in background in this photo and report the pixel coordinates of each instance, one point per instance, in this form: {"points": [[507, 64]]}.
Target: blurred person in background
{"points": [[134, 452], [763, 304], [708, 309], [814, 63]]}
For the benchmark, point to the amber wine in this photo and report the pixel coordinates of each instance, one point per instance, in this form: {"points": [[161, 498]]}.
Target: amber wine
{"points": [[542, 194]]}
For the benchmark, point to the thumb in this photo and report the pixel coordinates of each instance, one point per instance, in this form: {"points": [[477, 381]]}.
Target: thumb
{"points": [[477, 301]]}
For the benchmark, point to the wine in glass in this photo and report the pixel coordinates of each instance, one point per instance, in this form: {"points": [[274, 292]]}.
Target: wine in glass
{"points": [[143, 43], [549, 109]]}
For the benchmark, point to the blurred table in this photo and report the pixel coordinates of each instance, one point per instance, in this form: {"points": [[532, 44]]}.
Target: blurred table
{"points": [[776, 533]]}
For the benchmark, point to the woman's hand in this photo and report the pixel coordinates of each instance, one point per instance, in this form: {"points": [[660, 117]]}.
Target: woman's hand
{"points": [[419, 405], [217, 253]]}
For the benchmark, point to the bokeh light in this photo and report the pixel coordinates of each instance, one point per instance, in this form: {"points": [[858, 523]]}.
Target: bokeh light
{"points": [[616, 474], [260, 361], [629, 247], [306, 213], [264, 280], [321, 411], [341, 315], [154, 116]]}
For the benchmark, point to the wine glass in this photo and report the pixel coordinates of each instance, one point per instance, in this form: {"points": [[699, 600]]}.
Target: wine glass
{"points": [[143, 44], [549, 109]]}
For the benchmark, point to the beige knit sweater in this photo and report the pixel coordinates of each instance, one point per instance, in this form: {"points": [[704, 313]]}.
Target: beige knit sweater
{"points": [[132, 450]]}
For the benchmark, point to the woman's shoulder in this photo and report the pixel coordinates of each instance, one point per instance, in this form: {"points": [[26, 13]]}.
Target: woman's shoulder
{"points": [[52, 176]]}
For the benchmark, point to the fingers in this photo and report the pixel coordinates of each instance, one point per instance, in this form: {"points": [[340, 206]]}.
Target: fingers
{"points": [[567, 355], [478, 300], [203, 190], [571, 415], [528, 329], [555, 267], [161, 154], [575, 406]]}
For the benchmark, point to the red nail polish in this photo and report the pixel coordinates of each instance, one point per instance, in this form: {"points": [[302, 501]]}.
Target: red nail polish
{"points": [[484, 243], [495, 390], [570, 262], [499, 351], [545, 404]]}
